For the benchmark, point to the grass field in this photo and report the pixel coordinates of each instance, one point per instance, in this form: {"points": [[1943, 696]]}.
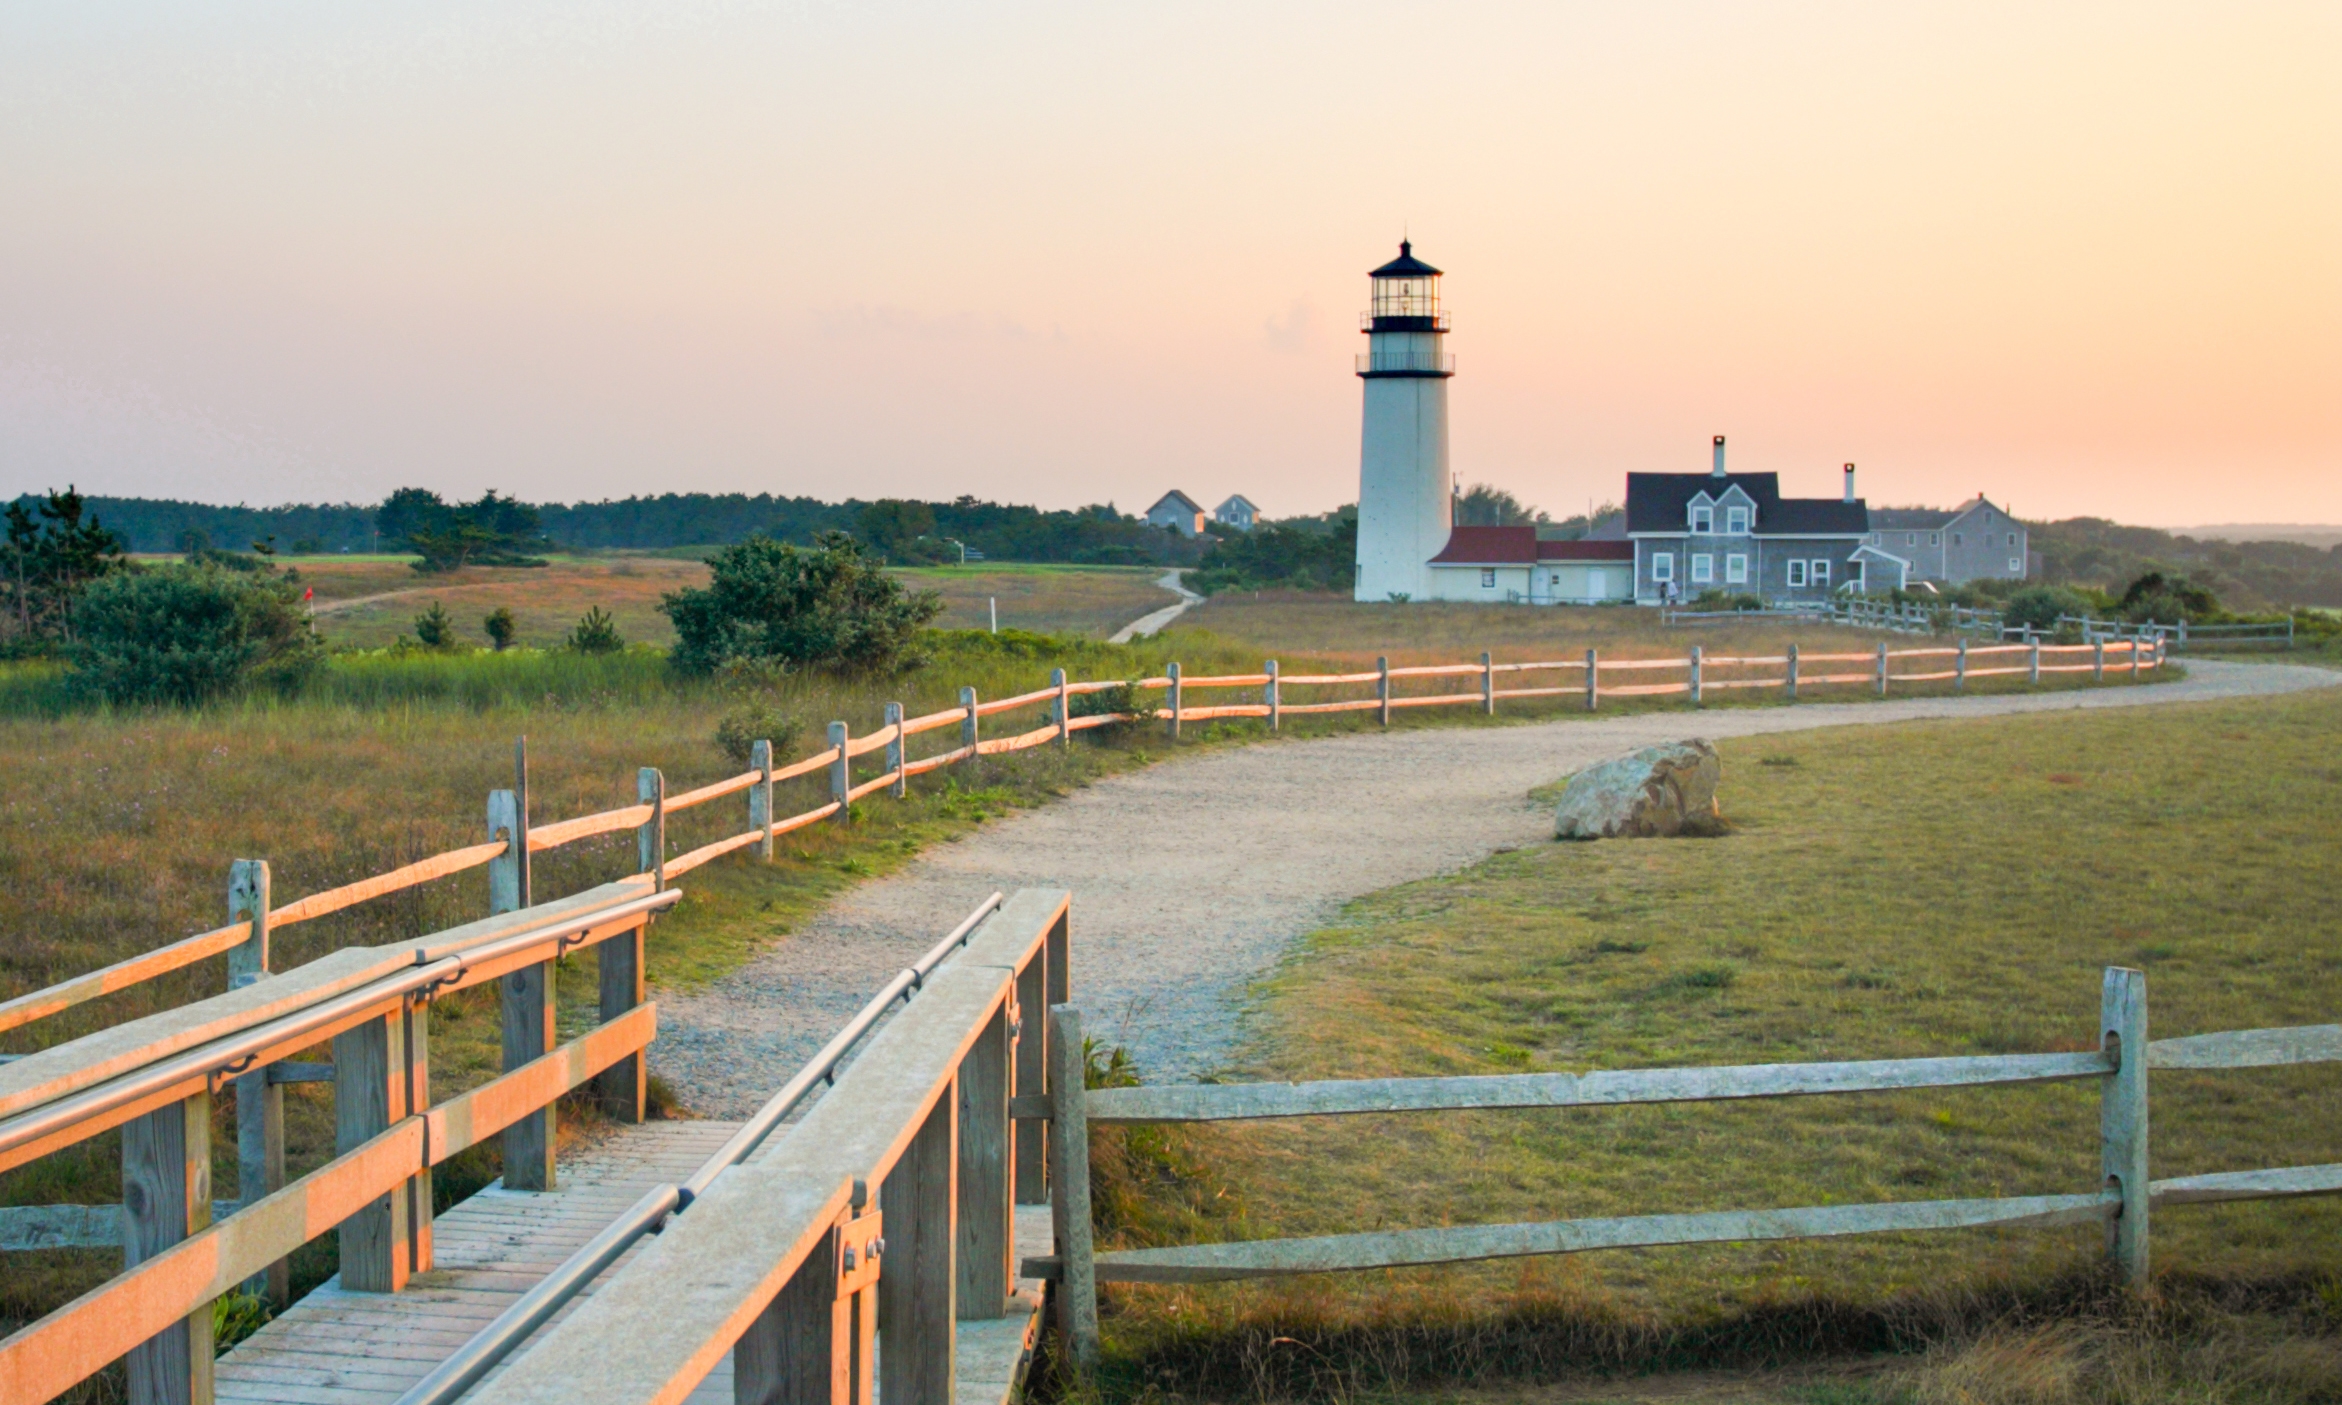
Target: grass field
{"points": [[1927, 889], [367, 602]]}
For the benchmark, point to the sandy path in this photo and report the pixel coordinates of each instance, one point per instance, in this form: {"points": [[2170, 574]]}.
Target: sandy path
{"points": [[1153, 622], [1191, 877]]}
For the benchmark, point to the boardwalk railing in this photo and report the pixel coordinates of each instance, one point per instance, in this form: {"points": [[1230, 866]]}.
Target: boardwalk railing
{"points": [[155, 1078], [2122, 1199]]}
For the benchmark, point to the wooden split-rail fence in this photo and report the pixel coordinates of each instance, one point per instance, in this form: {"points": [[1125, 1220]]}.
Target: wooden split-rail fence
{"points": [[2123, 1199]]}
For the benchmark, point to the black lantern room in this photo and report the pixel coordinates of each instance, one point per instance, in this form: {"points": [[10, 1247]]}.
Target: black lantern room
{"points": [[1406, 295]]}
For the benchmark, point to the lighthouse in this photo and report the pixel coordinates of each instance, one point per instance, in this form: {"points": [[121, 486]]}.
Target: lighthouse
{"points": [[1405, 506]]}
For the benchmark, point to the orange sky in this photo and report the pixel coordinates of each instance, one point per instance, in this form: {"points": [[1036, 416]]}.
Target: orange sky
{"points": [[2080, 257]]}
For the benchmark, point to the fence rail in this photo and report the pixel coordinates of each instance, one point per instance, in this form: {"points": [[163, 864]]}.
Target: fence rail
{"points": [[2123, 1200]]}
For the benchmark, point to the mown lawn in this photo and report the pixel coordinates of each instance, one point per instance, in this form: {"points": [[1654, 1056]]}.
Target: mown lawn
{"points": [[1935, 888]]}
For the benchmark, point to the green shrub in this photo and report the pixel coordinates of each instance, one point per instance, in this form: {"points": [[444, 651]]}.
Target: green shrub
{"points": [[2168, 599], [596, 633], [185, 634], [1107, 702], [501, 628], [739, 730], [434, 629], [830, 607], [1718, 599], [2040, 605]]}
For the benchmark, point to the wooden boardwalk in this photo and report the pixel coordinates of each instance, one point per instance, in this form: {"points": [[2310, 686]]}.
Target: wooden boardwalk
{"points": [[341, 1348]]}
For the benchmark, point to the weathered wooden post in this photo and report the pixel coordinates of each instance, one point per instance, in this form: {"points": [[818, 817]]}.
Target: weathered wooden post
{"points": [[525, 998], [1382, 689], [166, 1196], [2033, 662], [1069, 1146], [1273, 696], [2122, 1117], [1694, 675], [968, 727], [1960, 667], [2183, 631], [1487, 684], [987, 1172], [1593, 670], [1882, 668], [1791, 684], [260, 1102], [916, 1286], [2138, 642], [841, 773], [895, 751], [1032, 1078], [1178, 695], [373, 1071], [1064, 707], [624, 1087], [519, 852], [2097, 660], [760, 796]]}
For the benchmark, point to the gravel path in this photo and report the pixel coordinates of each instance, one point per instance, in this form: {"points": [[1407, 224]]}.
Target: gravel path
{"points": [[1153, 622], [1191, 877]]}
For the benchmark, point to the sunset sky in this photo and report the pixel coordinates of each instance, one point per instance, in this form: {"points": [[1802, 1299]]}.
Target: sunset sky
{"points": [[2083, 258]]}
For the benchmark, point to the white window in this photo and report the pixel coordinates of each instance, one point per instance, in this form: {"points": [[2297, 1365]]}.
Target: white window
{"points": [[1662, 565], [1488, 578], [1736, 521], [1910, 539], [2016, 566], [1797, 573], [1703, 519], [1736, 569], [1703, 568], [1820, 573], [1955, 538], [1935, 539]]}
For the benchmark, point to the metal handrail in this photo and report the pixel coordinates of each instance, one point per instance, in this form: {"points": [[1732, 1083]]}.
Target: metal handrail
{"points": [[232, 1054], [492, 1343]]}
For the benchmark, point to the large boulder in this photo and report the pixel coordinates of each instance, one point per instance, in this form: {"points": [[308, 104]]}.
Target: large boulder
{"points": [[1659, 792]]}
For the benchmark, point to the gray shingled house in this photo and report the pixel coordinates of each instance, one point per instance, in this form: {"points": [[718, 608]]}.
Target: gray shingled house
{"points": [[1734, 531], [1977, 540]]}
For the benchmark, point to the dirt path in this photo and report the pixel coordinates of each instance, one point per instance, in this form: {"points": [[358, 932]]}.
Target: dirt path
{"points": [[1191, 877], [1154, 621]]}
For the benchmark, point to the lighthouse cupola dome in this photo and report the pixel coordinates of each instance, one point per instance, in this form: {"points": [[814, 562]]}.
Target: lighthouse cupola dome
{"points": [[1406, 295]]}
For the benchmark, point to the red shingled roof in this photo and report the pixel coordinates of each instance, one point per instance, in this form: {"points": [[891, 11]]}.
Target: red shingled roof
{"points": [[1518, 546]]}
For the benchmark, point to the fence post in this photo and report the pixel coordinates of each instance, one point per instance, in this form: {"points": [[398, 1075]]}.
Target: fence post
{"points": [[894, 751], [987, 1172], [841, 777], [1882, 668], [2138, 642], [369, 1094], [916, 1286], [625, 1085], [166, 1196], [1791, 676], [525, 997], [1960, 668], [1069, 1185], [968, 724], [260, 1104], [760, 796], [2033, 661], [2183, 631], [1275, 698], [1177, 696], [1064, 707], [1593, 671], [2098, 660], [1487, 685], [1032, 1077], [1694, 675], [520, 805], [1382, 688], [2122, 1117]]}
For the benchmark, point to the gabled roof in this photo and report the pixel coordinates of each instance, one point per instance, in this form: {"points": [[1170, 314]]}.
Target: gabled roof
{"points": [[1237, 500], [1489, 546], [1909, 519], [1406, 265], [1175, 498], [1656, 502]]}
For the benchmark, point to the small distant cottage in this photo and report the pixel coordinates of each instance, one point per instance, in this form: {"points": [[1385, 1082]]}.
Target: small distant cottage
{"points": [[1977, 540], [1179, 512], [1238, 512]]}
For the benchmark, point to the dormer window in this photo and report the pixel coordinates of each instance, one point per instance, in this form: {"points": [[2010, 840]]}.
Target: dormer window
{"points": [[1703, 518], [1736, 521]]}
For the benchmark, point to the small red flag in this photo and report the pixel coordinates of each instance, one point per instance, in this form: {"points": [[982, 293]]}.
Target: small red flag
{"points": [[310, 593]]}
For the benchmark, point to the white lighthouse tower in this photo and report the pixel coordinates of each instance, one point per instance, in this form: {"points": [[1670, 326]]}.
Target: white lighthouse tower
{"points": [[1405, 507]]}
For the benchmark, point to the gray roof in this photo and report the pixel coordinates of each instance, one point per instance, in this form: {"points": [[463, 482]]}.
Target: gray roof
{"points": [[1175, 498], [1656, 502], [1909, 519]]}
